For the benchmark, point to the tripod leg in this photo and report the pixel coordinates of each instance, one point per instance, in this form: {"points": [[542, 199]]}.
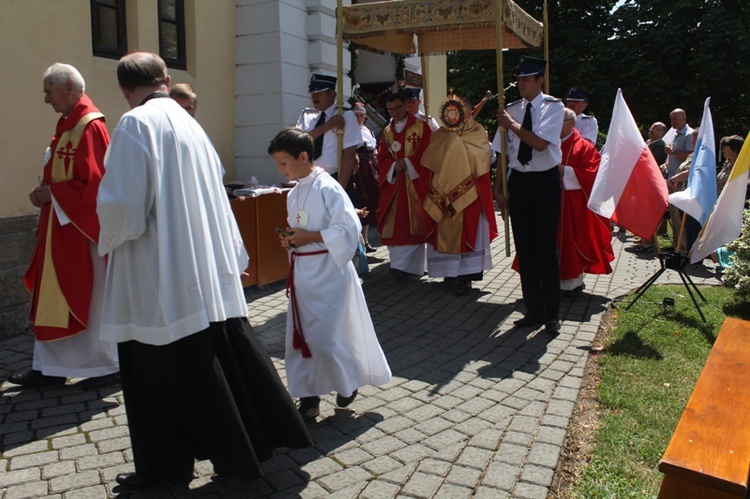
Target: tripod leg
{"points": [[690, 292], [695, 287], [645, 286]]}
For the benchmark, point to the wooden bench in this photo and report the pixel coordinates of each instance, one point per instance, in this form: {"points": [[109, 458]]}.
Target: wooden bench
{"points": [[709, 454]]}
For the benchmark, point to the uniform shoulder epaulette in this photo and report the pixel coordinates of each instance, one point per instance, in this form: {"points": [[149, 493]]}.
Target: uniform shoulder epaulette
{"points": [[553, 99], [310, 110], [514, 103], [587, 117]]}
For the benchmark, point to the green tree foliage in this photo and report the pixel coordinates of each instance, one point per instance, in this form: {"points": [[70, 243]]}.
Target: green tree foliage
{"points": [[677, 53], [737, 275], [662, 54]]}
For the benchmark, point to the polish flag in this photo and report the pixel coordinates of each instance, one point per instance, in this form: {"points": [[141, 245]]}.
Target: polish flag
{"points": [[629, 188]]}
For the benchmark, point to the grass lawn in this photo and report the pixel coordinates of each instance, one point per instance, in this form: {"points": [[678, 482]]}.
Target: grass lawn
{"points": [[648, 366]]}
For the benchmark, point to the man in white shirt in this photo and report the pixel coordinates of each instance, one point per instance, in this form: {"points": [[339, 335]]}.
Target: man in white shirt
{"points": [[322, 122], [196, 382], [578, 101], [533, 145], [678, 147]]}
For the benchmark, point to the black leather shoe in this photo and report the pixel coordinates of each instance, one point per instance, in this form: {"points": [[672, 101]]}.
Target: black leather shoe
{"points": [[529, 320], [131, 480], [100, 381], [552, 326], [33, 377], [134, 481], [309, 407], [462, 288], [403, 276], [342, 401]]}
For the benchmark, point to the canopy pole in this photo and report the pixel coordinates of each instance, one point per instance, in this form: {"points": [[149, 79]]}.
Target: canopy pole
{"points": [[546, 47], [501, 175], [425, 59], [340, 75]]}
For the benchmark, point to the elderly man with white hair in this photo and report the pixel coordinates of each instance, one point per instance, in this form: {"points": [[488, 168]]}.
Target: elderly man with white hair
{"points": [[66, 275]]}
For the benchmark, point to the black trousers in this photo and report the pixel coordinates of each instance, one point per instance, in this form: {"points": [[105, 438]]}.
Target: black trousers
{"points": [[212, 395], [534, 205]]}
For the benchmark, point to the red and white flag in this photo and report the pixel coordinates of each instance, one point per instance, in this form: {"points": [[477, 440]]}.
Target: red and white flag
{"points": [[629, 188]]}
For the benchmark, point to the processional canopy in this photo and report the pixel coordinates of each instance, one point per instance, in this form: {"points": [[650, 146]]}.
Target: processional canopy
{"points": [[411, 27]]}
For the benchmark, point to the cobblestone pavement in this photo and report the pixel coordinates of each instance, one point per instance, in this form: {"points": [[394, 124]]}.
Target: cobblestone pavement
{"points": [[476, 407]]}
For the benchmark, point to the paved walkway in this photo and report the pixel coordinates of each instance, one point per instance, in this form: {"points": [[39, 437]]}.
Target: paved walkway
{"points": [[476, 407]]}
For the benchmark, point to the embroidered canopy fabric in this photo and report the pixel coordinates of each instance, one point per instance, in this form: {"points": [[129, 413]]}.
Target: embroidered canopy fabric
{"points": [[439, 25]]}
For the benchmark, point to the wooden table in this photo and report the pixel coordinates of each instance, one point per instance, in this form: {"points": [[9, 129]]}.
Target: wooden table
{"points": [[257, 218]]}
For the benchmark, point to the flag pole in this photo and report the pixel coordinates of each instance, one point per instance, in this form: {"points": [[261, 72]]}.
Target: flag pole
{"points": [[425, 60], [501, 175], [682, 230], [340, 76]]}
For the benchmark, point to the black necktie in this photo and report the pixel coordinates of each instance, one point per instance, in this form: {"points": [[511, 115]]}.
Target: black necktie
{"points": [[524, 151], [319, 140]]}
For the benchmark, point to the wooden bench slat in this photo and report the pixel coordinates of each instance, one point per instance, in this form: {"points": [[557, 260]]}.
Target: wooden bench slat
{"points": [[674, 488], [711, 445]]}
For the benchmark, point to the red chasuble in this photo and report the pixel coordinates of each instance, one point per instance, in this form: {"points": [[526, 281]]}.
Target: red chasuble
{"points": [[460, 188], [401, 218], [584, 238], [60, 275]]}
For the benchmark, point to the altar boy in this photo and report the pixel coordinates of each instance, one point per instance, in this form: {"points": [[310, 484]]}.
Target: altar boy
{"points": [[330, 340]]}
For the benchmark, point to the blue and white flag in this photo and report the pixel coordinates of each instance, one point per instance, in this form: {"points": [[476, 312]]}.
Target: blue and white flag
{"points": [[698, 199], [725, 223]]}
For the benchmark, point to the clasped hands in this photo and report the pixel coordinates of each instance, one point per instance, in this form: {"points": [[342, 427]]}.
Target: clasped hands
{"points": [[294, 238], [40, 195]]}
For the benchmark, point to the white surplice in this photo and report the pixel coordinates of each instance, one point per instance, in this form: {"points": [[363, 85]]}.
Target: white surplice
{"points": [[175, 253], [332, 309], [83, 355], [472, 262]]}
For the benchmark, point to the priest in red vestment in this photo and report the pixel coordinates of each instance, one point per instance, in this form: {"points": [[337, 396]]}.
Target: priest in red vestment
{"points": [[584, 238], [461, 214], [403, 187], [66, 275]]}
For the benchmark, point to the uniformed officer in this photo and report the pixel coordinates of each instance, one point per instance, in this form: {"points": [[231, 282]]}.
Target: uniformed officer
{"points": [[533, 127], [412, 101], [322, 122], [578, 101]]}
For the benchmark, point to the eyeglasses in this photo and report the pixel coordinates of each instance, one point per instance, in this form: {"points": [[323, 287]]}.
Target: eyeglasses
{"points": [[394, 107]]}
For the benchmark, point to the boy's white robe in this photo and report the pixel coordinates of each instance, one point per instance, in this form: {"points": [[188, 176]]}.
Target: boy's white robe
{"points": [[175, 252], [332, 309]]}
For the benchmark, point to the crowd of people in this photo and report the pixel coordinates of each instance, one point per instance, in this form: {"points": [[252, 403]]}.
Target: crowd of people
{"points": [[673, 149], [131, 283]]}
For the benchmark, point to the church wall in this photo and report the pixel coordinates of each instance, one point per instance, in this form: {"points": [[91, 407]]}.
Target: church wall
{"points": [[37, 33], [280, 43]]}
